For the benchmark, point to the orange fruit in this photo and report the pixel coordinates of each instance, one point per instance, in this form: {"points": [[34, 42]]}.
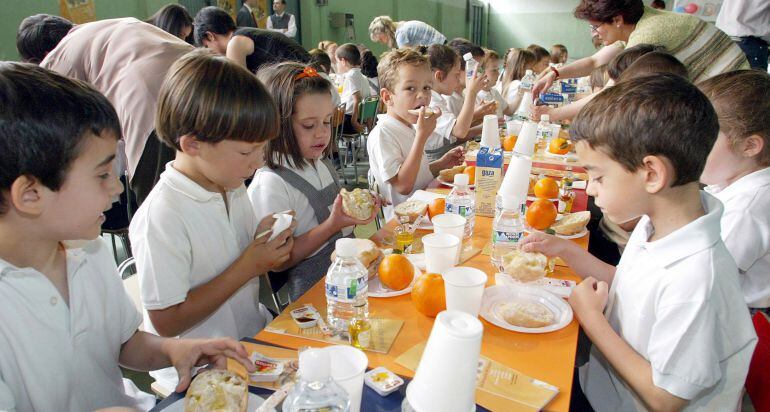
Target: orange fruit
{"points": [[396, 272], [436, 207], [509, 143], [428, 294], [471, 172], [559, 146], [541, 214], [546, 188]]}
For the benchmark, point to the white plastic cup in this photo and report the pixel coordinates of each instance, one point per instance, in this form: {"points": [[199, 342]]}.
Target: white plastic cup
{"points": [[513, 127], [555, 129], [490, 136], [525, 144], [451, 224], [441, 251], [464, 287], [516, 180], [348, 365], [445, 380]]}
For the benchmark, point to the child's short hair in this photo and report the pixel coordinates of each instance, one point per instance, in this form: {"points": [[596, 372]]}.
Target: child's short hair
{"points": [[489, 55], [387, 69], [214, 99], [320, 61], [44, 119], [599, 77], [558, 53], [652, 63], [661, 115], [368, 64], [286, 82], [39, 34], [349, 52], [741, 99], [463, 46], [539, 51], [620, 63], [441, 57], [211, 19]]}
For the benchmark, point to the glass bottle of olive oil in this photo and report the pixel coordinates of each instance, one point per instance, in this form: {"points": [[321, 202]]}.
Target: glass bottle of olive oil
{"points": [[360, 328]]}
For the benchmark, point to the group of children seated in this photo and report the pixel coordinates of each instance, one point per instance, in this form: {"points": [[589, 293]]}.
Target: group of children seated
{"points": [[669, 324]]}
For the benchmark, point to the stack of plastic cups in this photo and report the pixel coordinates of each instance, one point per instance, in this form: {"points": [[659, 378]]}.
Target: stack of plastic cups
{"points": [[490, 136], [516, 179], [525, 144], [446, 378]]}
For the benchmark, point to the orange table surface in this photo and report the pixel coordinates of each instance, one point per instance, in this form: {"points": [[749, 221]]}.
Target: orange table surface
{"points": [[548, 357]]}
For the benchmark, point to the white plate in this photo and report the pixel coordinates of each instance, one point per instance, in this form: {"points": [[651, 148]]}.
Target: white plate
{"points": [[378, 290], [494, 296], [425, 223], [575, 236], [445, 183], [178, 406]]}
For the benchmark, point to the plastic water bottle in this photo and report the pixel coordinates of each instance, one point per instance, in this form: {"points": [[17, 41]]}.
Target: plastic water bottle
{"points": [[347, 286], [507, 228], [525, 105], [528, 81], [544, 132], [316, 390], [461, 201], [470, 65]]}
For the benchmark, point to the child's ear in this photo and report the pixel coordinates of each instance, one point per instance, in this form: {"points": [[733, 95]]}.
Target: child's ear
{"points": [[658, 173], [190, 145], [26, 195], [439, 76], [386, 96], [752, 145]]}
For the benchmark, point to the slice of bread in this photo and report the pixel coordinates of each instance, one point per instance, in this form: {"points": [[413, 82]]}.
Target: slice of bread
{"points": [[412, 209], [526, 314], [428, 112], [368, 254], [524, 266], [572, 223], [217, 390], [358, 204]]}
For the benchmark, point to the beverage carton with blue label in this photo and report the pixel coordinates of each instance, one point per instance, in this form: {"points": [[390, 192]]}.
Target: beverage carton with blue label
{"points": [[489, 175]]}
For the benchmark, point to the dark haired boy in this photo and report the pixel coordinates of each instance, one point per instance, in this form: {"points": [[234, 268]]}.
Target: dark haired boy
{"points": [[355, 87], [66, 323], [669, 327]]}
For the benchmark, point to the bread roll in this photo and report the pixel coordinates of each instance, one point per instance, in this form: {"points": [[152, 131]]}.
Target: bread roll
{"points": [[217, 390], [524, 266], [526, 314], [572, 223], [448, 175], [358, 204], [412, 209]]}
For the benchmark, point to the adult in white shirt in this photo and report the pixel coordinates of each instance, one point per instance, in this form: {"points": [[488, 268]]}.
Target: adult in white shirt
{"points": [[398, 34], [747, 22], [281, 21]]}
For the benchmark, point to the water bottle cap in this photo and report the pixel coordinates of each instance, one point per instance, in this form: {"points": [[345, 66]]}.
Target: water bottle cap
{"points": [[314, 365], [545, 118], [462, 179], [346, 248], [468, 56], [528, 72]]}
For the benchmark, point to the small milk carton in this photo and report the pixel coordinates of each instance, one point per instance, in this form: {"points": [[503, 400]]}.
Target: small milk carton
{"points": [[489, 175]]}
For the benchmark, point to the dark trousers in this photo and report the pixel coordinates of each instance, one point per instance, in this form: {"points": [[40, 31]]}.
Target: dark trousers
{"points": [[756, 51], [152, 163]]}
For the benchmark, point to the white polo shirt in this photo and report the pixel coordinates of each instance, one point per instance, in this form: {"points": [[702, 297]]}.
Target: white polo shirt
{"points": [[182, 237], [493, 95], [354, 81], [388, 145], [59, 357], [746, 232], [677, 302], [269, 194], [442, 134], [335, 93], [455, 103]]}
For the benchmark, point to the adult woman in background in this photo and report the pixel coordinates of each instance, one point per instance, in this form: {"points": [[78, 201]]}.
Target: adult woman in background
{"points": [[174, 19], [400, 34]]}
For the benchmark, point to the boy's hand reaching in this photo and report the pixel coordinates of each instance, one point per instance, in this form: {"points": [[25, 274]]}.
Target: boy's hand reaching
{"points": [[589, 298], [185, 354], [452, 158], [426, 125], [474, 85], [548, 245]]}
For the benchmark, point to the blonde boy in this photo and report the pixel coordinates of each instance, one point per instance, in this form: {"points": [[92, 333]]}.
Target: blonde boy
{"points": [[396, 145], [66, 323], [668, 324], [738, 174]]}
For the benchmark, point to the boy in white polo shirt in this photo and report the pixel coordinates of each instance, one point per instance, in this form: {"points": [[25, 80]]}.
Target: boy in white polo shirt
{"points": [[198, 246], [668, 325], [396, 146], [738, 174], [355, 87], [66, 323]]}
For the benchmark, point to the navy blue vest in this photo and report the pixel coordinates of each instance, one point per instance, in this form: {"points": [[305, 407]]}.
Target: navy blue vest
{"points": [[280, 22]]}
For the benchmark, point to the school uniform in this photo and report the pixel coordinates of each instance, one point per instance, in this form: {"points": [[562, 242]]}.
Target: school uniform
{"points": [[493, 95], [56, 356], [184, 236], [746, 233], [353, 81], [677, 302], [441, 140], [455, 103], [310, 193], [388, 146]]}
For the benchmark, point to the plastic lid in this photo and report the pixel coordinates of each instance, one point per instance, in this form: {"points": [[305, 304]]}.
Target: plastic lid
{"points": [[468, 56], [460, 179], [314, 365], [545, 117], [529, 71], [346, 248]]}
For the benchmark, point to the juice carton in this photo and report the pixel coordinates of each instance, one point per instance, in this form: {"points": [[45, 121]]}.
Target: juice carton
{"points": [[489, 175]]}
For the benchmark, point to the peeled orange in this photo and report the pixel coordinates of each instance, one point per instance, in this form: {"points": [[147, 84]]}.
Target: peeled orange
{"points": [[428, 294], [509, 143], [471, 172], [436, 207], [546, 188], [559, 146], [396, 272], [541, 214]]}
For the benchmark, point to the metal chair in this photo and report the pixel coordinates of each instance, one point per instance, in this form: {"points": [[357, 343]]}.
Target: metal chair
{"points": [[118, 219], [367, 116], [338, 118], [375, 188]]}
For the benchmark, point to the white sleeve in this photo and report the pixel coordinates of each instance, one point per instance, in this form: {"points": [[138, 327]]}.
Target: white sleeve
{"points": [[268, 195], [391, 156], [746, 237], [351, 86], [269, 24], [123, 311], [7, 402], [292, 30], [163, 255]]}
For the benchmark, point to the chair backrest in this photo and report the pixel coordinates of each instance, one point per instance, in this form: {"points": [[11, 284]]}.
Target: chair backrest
{"points": [[368, 109], [338, 117], [758, 379], [131, 284]]}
